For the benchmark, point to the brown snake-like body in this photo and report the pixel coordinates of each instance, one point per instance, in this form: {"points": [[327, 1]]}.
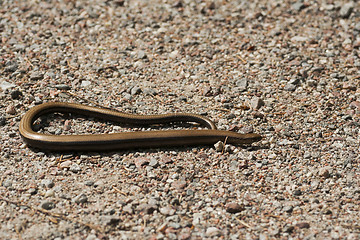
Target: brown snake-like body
{"points": [[99, 142]]}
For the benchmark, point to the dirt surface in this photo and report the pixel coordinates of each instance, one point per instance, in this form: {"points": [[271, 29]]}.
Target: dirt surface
{"points": [[284, 69]]}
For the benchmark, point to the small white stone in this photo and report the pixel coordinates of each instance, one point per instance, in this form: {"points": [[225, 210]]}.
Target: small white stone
{"points": [[49, 193], [212, 232], [219, 146], [85, 83], [174, 54]]}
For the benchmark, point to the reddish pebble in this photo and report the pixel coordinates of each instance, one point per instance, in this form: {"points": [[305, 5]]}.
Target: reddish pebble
{"points": [[234, 208], [67, 125], [179, 184], [11, 110], [303, 225], [141, 161]]}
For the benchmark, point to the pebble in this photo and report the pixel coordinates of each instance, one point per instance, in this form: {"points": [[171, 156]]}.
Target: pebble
{"points": [[179, 184], [48, 183], [36, 76], [234, 208], [349, 85], [49, 193], [91, 237], [174, 54], [32, 191], [213, 232], [299, 5], [289, 229], [75, 168], [150, 91], [324, 172], [219, 146], [299, 39], [153, 163], [326, 211], [10, 110], [256, 103], [6, 85], [81, 198], [2, 120], [346, 9], [242, 83], [312, 83], [62, 87], [168, 211], [135, 90], [297, 192], [16, 94], [197, 218], [128, 208], [303, 225], [288, 209], [290, 87], [66, 164], [48, 205], [89, 183], [147, 208], [12, 67], [141, 161], [85, 83], [141, 54], [7, 183], [99, 183]]}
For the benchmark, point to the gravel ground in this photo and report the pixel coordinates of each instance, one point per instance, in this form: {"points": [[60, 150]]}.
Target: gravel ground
{"points": [[287, 70]]}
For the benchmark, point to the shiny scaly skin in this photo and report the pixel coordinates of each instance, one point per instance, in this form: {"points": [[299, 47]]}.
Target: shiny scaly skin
{"points": [[126, 140]]}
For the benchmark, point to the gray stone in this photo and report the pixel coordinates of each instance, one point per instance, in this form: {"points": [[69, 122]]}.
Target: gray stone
{"points": [[89, 183], [153, 163], [49, 183], [85, 83], [288, 209], [81, 198], [242, 84], [197, 218], [48, 205], [36, 76], [147, 208], [256, 103], [219, 146], [290, 87], [128, 208], [11, 68], [168, 211], [75, 168], [150, 91], [297, 192], [2, 120], [135, 90], [141, 54], [32, 191], [5, 85], [303, 225], [346, 9], [299, 5], [357, 26], [213, 232], [62, 87], [7, 183]]}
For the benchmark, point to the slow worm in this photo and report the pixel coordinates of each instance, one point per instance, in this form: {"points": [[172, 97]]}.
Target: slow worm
{"points": [[145, 139]]}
